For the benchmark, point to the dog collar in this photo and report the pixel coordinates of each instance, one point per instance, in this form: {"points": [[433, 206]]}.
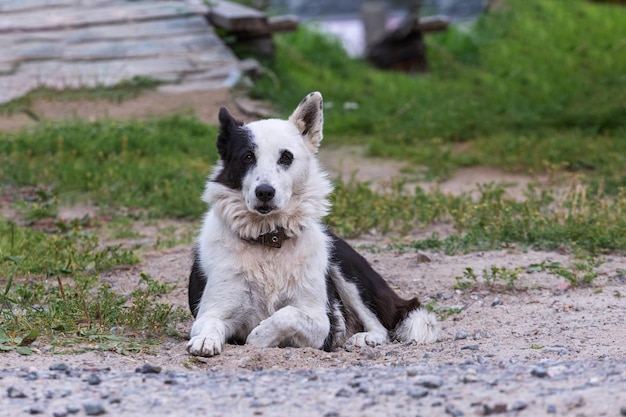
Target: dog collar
{"points": [[273, 239]]}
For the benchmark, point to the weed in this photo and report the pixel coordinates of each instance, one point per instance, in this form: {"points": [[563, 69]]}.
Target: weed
{"points": [[490, 278], [580, 273]]}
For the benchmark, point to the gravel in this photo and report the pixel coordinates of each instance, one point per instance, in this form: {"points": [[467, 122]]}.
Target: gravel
{"points": [[581, 388]]}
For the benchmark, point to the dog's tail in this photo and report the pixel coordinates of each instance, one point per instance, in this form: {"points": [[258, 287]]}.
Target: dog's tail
{"points": [[419, 325]]}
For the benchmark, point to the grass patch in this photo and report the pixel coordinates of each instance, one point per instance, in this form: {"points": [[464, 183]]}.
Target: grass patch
{"points": [[531, 81], [156, 166], [50, 288]]}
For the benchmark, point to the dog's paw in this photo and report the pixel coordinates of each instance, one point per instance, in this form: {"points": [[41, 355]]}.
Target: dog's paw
{"points": [[261, 336], [205, 345], [366, 339]]}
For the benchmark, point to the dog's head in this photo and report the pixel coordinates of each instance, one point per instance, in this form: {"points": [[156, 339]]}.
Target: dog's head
{"points": [[271, 163]]}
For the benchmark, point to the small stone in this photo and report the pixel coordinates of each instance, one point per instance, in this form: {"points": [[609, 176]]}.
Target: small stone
{"points": [[94, 409], [430, 381], [72, 409], [32, 376], [498, 408], [388, 391], [94, 380], [344, 393], [460, 335], [411, 372], [539, 372], [422, 258], [519, 405], [60, 366], [450, 409], [149, 369], [60, 413], [331, 414], [15, 393], [496, 302], [35, 409], [418, 393], [551, 409], [470, 347], [469, 377]]}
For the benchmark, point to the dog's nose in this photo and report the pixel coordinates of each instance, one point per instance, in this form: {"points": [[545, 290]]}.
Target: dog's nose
{"points": [[265, 192]]}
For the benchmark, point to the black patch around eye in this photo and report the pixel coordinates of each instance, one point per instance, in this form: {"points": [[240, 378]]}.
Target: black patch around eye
{"points": [[237, 155], [286, 158]]}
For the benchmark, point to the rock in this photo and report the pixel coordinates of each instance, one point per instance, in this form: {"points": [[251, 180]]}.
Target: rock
{"points": [[496, 302], [344, 393], [470, 347], [418, 393], [490, 409], [32, 376], [411, 372], [469, 377], [60, 413], [149, 369], [519, 405], [94, 409], [35, 409], [539, 372], [422, 258], [60, 366], [460, 335], [622, 411], [430, 381], [94, 380], [450, 409], [15, 393], [551, 409]]}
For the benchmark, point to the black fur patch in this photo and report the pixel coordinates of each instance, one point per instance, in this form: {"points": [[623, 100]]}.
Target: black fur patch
{"points": [[197, 282], [236, 150], [374, 291]]}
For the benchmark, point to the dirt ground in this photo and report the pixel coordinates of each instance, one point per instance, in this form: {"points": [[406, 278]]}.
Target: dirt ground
{"points": [[543, 318]]}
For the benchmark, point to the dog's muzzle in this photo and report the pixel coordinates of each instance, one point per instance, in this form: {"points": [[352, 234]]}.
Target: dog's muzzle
{"points": [[264, 193]]}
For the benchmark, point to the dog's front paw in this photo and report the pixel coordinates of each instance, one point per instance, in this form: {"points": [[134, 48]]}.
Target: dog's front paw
{"points": [[366, 339], [260, 336], [205, 345]]}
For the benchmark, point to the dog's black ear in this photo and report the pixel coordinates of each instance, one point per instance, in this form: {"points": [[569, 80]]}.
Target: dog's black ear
{"points": [[309, 119], [228, 125]]}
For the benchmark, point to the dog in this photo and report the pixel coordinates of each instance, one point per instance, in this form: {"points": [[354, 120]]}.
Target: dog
{"points": [[266, 271]]}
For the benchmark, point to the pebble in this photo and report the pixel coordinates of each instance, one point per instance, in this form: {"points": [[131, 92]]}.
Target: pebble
{"points": [[470, 347], [622, 410], [430, 381], [93, 409], [418, 393], [551, 409], [519, 405], [460, 335], [344, 393], [148, 369], [469, 377], [539, 372], [496, 302], [35, 409], [15, 393], [94, 380], [454, 412], [498, 408], [60, 366], [60, 413]]}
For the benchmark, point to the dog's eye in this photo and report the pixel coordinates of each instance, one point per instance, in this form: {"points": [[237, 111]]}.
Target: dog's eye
{"points": [[286, 158], [248, 158]]}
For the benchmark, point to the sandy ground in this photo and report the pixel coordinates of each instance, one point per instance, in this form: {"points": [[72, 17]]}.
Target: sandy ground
{"points": [[541, 319]]}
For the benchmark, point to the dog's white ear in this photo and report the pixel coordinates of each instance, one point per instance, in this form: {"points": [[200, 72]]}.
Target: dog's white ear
{"points": [[308, 117]]}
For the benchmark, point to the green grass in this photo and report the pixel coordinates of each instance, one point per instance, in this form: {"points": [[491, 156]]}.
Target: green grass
{"points": [[155, 166], [530, 81]]}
